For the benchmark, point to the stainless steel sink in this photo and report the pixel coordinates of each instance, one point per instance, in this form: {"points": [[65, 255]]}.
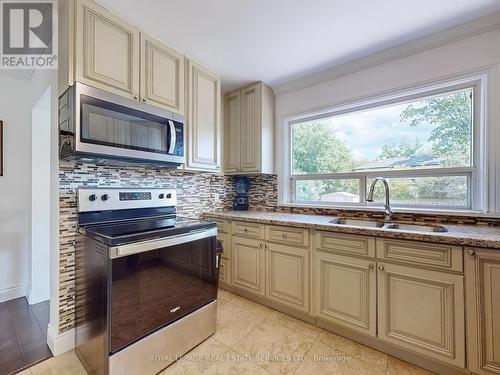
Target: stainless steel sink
{"points": [[358, 223], [417, 227], [395, 226]]}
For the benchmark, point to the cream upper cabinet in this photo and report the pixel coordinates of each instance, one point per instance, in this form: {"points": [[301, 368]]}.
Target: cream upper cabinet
{"points": [[423, 311], [482, 275], [102, 50], [232, 118], [248, 264], [287, 275], [203, 119], [106, 50], [162, 75], [249, 123], [346, 291]]}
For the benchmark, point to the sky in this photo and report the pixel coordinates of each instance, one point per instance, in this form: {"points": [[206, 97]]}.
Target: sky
{"points": [[366, 132]]}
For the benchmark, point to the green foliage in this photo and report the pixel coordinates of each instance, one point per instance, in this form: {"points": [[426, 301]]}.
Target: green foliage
{"points": [[404, 148], [453, 116], [316, 149]]}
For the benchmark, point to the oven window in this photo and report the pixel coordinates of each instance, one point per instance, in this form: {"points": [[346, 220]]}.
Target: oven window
{"points": [[113, 125], [152, 289]]}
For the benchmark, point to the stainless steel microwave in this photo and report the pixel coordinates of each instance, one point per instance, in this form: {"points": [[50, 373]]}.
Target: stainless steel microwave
{"points": [[104, 128]]}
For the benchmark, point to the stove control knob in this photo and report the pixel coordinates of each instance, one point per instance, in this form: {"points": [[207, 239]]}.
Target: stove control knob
{"points": [[92, 197], [169, 195], [161, 196], [105, 197]]}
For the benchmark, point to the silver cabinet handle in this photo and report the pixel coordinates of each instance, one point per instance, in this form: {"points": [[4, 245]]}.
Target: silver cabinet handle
{"points": [[136, 97], [381, 267], [471, 252], [371, 266], [143, 99]]}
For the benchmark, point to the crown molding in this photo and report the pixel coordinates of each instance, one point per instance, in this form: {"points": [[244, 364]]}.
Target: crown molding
{"points": [[450, 35]]}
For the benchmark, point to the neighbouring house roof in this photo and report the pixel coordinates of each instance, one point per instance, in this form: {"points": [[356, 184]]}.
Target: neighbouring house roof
{"points": [[401, 162]]}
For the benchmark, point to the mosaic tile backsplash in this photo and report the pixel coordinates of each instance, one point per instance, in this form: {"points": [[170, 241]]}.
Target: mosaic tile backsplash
{"points": [[197, 193]]}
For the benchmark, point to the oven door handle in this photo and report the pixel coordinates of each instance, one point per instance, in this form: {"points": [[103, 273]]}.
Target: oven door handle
{"points": [[141, 247]]}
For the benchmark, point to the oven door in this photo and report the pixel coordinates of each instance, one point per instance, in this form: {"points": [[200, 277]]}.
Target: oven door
{"points": [[157, 282], [109, 125]]}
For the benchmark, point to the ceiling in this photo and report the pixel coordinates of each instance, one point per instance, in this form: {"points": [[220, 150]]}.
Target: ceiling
{"points": [[277, 41]]}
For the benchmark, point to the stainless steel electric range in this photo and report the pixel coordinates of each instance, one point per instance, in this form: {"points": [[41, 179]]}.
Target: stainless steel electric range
{"points": [[146, 281]]}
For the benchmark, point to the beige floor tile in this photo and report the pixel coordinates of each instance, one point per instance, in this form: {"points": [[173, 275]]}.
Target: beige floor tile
{"points": [[25, 372], [65, 364], [233, 322], [250, 306], [225, 295], [275, 347], [323, 359], [354, 349], [398, 367], [300, 326]]}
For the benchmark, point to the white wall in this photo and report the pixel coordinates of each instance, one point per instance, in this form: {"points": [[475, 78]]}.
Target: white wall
{"points": [[479, 53], [15, 187], [40, 202], [18, 95]]}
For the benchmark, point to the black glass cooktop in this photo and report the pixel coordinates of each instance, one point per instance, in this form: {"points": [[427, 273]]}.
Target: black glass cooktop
{"points": [[136, 230]]}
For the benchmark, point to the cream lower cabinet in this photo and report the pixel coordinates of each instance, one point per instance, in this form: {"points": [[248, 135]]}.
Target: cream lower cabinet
{"points": [[482, 272], [346, 291], [225, 266], [248, 264], [225, 271], [287, 275], [423, 311]]}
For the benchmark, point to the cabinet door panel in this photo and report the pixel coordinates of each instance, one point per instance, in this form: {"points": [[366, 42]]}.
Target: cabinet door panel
{"points": [[226, 244], [225, 271], [203, 119], [248, 264], [287, 276], [232, 118], [482, 274], [162, 75], [250, 126], [422, 311], [107, 51], [346, 291]]}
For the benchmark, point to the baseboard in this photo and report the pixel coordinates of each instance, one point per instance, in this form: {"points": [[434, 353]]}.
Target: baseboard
{"points": [[33, 298], [11, 293], [60, 343]]}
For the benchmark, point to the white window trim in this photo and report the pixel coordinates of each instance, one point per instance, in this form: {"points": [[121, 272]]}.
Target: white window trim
{"points": [[478, 172]]}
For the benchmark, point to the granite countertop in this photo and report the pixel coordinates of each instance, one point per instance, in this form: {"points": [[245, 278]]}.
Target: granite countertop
{"points": [[462, 235]]}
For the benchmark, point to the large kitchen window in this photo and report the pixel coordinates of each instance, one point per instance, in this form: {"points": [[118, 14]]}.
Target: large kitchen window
{"points": [[426, 145]]}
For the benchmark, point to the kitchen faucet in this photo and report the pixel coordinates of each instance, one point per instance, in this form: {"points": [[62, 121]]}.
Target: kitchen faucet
{"points": [[388, 213]]}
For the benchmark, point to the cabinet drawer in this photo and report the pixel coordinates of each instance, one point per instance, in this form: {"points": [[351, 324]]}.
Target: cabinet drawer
{"points": [[222, 225], [226, 244], [422, 253], [248, 229], [345, 243], [293, 236]]}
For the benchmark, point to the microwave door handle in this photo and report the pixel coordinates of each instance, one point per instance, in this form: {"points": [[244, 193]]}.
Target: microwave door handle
{"points": [[173, 137]]}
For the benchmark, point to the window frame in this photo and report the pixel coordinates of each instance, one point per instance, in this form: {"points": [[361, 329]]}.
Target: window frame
{"points": [[476, 173]]}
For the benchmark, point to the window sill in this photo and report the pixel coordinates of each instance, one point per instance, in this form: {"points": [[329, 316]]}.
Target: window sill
{"points": [[424, 211]]}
